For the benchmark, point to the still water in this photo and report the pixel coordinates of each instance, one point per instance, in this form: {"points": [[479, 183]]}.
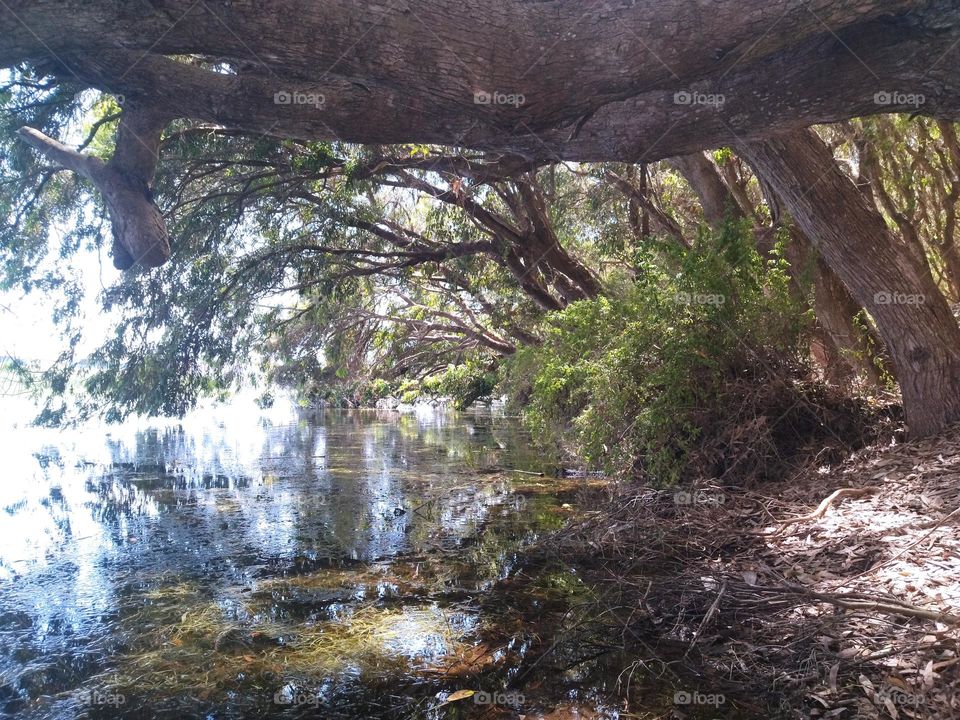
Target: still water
{"points": [[287, 564]]}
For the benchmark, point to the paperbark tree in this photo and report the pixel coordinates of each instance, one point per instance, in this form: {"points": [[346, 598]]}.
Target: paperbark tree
{"points": [[633, 81], [139, 232], [882, 273]]}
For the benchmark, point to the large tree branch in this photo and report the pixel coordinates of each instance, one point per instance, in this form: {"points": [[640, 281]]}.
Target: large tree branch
{"points": [[653, 79], [777, 65], [139, 232]]}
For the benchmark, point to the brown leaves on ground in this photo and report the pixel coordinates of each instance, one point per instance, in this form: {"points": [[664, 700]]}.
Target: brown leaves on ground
{"points": [[850, 614]]}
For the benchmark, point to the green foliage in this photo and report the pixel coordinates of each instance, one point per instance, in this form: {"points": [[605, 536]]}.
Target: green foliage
{"points": [[635, 375], [872, 353], [465, 383]]}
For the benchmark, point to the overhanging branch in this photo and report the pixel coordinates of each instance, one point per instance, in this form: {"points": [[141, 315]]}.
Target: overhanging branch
{"points": [[139, 231]]}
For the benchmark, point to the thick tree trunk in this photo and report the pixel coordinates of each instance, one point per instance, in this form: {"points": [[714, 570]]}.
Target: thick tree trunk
{"points": [[845, 350], [950, 254], [882, 274], [716, 199], [623, 81], [564, 80]]}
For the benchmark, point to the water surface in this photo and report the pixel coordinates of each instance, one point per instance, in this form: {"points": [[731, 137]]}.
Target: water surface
{"points": [[323, 564]]}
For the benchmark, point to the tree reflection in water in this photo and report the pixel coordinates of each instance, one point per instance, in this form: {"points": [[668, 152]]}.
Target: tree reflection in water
{"points": [[333, 544]]}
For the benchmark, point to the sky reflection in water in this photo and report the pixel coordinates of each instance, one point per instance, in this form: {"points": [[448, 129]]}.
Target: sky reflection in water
{"points": [[237, 506]]}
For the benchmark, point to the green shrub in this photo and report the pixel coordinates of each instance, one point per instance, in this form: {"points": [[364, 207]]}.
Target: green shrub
{"points": [[637, 377], [465, 383], [374, 390]]}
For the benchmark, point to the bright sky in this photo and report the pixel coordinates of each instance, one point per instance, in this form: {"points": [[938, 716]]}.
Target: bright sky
{"points": [[27, 330], [26, 327]]}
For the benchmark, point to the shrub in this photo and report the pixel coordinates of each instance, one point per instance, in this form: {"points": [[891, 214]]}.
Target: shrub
{"points": [[465, 383], [640, 378]]}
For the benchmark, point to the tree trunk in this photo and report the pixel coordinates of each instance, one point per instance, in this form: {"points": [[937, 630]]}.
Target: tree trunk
{"points": [[836, 343], [845, 350], [622, 81], [882, 274], [704, 179], [139, 232], [652, 79], [948, 244]]}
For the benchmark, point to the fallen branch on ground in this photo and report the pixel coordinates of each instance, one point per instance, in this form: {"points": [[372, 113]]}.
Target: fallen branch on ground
{"points": [[849, 601], [822, 508]]}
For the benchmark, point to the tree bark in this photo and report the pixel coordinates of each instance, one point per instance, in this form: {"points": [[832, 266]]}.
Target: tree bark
{"points": [[716, 199], [949, 251], [634, 82], [139, 231], [882, 274], [845, 351], [631, 81]]}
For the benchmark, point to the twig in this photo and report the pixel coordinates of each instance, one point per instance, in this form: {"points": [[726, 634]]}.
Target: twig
{"points": [[822, 508], [865, 602], [706, 618]]}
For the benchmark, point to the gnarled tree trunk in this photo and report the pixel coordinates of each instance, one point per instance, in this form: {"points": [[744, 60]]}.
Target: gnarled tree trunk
{"points": [[622, 81], [139, 232], [882, 274], [844, 346]]}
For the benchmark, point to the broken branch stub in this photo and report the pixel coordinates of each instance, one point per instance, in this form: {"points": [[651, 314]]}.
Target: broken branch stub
{"points": [[139, 231]]}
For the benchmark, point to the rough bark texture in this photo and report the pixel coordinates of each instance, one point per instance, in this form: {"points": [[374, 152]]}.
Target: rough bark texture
{"points": [[563, 79], [139, 232], [716, 200], [844, 348], [882, 274]]}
